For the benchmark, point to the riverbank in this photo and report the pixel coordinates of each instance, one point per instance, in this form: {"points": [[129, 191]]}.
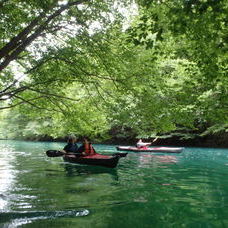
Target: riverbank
{"points": [[216, 141]]}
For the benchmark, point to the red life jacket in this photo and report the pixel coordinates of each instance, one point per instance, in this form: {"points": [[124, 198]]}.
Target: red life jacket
{"points": [[89, 149]]}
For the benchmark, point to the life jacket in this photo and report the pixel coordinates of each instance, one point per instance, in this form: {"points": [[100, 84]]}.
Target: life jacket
{"points": [[89, 149]]}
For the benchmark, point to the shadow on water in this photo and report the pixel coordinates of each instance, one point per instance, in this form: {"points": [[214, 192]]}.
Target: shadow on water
{"points": [[79, 170]]}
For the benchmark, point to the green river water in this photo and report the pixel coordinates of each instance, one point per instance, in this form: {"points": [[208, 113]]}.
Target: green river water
{"points": [[145, 190]]}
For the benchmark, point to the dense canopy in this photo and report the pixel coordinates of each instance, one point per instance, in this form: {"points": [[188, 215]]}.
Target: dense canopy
{"points": [[104, 68]]}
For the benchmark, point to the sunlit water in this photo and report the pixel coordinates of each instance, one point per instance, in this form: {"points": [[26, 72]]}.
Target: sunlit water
{"points": [[145, 190]]}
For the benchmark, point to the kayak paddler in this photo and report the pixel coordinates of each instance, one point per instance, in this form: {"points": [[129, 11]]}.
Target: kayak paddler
{"points": [[71, 146], [140, 144], [86, 148]]}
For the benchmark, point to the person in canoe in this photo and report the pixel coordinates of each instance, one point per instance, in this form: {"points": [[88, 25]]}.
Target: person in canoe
{"points": [[140, 144], [86, 148], [71, 146]]}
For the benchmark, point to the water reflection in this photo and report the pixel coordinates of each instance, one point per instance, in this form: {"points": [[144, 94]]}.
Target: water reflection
{"points": [[146, 160], [7, 175], [78, 170]]}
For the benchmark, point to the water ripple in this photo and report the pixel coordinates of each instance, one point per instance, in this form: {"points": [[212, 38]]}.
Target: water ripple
{"points": [[17, 219]]}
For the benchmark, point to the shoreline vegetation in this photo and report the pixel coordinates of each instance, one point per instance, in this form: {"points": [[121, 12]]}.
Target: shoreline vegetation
{"points": [[216, 141]]}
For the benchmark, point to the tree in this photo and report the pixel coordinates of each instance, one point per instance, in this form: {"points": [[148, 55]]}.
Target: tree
{"points": [[193, 35], [24, 22], [166, 73]]}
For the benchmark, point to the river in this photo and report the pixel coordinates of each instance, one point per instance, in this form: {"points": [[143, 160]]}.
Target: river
{"points": [[189, 189]]}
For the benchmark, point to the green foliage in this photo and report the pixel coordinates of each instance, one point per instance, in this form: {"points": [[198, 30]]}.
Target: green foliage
{"points": [[190, 42], [166, 74]]}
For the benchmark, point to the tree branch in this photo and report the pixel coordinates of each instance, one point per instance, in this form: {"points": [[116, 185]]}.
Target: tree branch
{"points": [[19, 43], [3, 2], [52, 94], [34, 105], [15, 41], [8, 87], [19, 103]]}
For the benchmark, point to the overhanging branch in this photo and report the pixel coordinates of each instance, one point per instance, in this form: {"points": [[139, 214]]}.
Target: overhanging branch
{"points": [[18, 44]]}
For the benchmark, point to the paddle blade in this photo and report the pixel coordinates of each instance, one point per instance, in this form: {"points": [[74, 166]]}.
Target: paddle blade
{"points": [[54, 153]]}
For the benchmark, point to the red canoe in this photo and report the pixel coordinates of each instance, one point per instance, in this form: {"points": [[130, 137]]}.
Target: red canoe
{"points": [[151, 149]]}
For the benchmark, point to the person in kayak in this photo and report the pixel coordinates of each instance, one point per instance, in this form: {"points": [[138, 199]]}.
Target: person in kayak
{"points": [[140, 144], [86, 148], [71, 146]]}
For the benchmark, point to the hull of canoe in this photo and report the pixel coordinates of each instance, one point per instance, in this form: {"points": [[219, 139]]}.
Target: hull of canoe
{"points": [[105, 161], [151, 149]]}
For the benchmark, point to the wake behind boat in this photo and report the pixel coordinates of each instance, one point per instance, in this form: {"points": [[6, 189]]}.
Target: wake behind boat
{"points": [[151, 149]]}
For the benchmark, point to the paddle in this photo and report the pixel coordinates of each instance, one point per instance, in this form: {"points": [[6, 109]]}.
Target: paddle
{"points": [[57, 153], [54, 153]]}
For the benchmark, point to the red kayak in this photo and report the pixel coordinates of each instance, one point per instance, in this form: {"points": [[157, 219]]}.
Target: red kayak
{"points": [[151, 149], [96, 159], [110, 161]]}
